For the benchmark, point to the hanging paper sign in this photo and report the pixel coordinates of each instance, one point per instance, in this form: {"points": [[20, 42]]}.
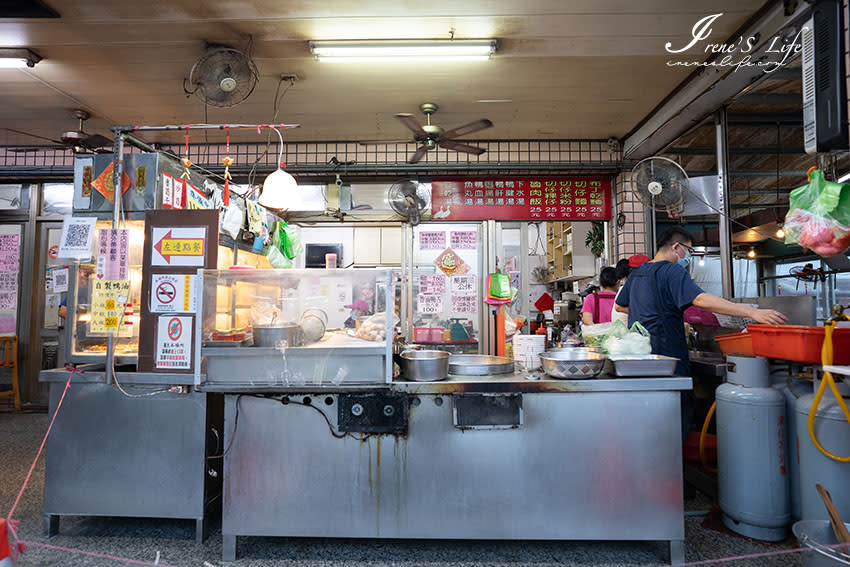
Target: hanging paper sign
{"points": [[178, 246], [429, 304], [9, 251], [196, 199], [432, 240], [463, 284], [464, 239], [60, 280], [77, 236], [105, 183], [432, 283], [174, 342], [167, 191], [178, 197], [173, 293], [464, 304], [110, 310], [113, 254], [450, 263], [522, 198]]}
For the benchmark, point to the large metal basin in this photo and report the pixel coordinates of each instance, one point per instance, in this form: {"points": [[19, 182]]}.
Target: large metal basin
{"points": [[425, 365], [573, 363], [479, 365]]}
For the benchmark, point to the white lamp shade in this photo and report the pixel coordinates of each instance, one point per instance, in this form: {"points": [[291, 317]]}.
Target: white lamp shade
{"points": [[280, 191]]}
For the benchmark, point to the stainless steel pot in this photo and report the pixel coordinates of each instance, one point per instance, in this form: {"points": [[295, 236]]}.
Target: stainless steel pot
{"points": [[572, 363], [425, 365], [288, 334]]}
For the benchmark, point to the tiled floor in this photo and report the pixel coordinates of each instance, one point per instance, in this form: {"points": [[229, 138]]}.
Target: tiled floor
{"points": [[140, 539]]}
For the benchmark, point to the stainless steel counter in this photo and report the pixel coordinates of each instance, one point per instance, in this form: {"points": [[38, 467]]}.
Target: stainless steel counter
{"points": [[520, 383], [586, 459], [110, 454]]}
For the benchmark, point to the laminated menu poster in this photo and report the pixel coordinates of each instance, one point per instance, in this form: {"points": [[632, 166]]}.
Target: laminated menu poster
{"points": [[432, 240], [521, 198], [110, 308], [432, 283]]}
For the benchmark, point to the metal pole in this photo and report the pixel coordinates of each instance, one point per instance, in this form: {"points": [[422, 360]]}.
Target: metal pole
{"points": [[117, 173], [722, 146], [524, 272], [615, 229]]}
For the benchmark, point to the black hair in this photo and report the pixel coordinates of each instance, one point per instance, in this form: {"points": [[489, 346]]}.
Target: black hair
{"points": [[623, 269], [608, 277], [673, 235]]}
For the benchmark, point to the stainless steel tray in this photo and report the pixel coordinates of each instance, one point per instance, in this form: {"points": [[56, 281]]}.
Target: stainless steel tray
{"points": [[634, 365], [479, 365]]}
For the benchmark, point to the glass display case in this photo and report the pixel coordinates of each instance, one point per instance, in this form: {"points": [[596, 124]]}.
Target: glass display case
{"points": [[290, 328], [87, 346]]}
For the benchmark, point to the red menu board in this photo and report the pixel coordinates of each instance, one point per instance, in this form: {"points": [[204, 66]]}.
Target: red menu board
{"points": [[521, 198]]}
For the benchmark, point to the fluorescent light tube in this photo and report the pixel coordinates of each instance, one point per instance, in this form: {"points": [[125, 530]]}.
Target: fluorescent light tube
{"points": [[17, 58], [404, 50]]}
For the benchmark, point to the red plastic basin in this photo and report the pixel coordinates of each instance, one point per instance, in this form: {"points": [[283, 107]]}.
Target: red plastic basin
{"points": [[798, 343]]}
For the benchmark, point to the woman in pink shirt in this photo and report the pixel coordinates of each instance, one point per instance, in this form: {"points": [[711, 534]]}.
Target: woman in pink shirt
{"points": [[597, 306]]}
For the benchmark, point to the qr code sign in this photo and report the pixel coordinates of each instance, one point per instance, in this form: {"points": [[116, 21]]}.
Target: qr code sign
{"points": [[77, 235], [60, 279]]}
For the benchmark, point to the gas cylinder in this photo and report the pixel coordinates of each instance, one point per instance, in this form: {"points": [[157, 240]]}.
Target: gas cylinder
{"points": [[833, 432], [752, 473], [793, 390]]}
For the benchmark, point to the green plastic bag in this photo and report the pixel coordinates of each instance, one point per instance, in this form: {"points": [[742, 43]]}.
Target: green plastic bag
{"points": [[287, 241], [819, 216], [499, 286]]}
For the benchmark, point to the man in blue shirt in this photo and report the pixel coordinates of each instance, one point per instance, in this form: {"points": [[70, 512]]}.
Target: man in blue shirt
{"points": [[657, 294]]}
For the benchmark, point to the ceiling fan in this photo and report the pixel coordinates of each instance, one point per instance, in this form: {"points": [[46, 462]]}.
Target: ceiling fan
{"points": [[76, 140], [429, 136]]}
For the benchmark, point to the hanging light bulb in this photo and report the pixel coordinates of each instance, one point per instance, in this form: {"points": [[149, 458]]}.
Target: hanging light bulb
{"points": [[752, 253], [780, 232], [280, 190]]}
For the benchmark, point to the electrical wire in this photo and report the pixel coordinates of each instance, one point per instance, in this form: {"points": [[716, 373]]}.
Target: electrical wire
{"points": [[285, 400], [232, 435], [278, 97]]}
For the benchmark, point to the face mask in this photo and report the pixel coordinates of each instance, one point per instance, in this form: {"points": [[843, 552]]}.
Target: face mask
{"points": [[686, 260]]}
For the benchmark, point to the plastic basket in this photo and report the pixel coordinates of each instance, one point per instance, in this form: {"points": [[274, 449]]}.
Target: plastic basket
{"points": [[428, 334], [814, 534], [736, 343], [798, 343]]}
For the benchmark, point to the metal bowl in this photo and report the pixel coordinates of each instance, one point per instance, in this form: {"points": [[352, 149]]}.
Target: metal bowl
{"points": [[425, 365], [575, 363]]}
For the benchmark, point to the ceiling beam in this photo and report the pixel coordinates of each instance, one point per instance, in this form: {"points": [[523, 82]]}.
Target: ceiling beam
{"points": [[754, 173], [771, 98], [736, 151], [754, 119], [709, 88]]}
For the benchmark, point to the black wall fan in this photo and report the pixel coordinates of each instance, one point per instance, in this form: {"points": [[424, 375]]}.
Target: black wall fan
{"points": [[429, 136], [222, 76]]}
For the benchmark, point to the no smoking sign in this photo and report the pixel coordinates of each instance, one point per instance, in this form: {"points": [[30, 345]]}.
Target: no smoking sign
{"points": [[173, 293], [166, 292]]}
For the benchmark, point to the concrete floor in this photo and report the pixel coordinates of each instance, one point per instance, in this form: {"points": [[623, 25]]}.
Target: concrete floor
{"points": [[140, 539]]}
